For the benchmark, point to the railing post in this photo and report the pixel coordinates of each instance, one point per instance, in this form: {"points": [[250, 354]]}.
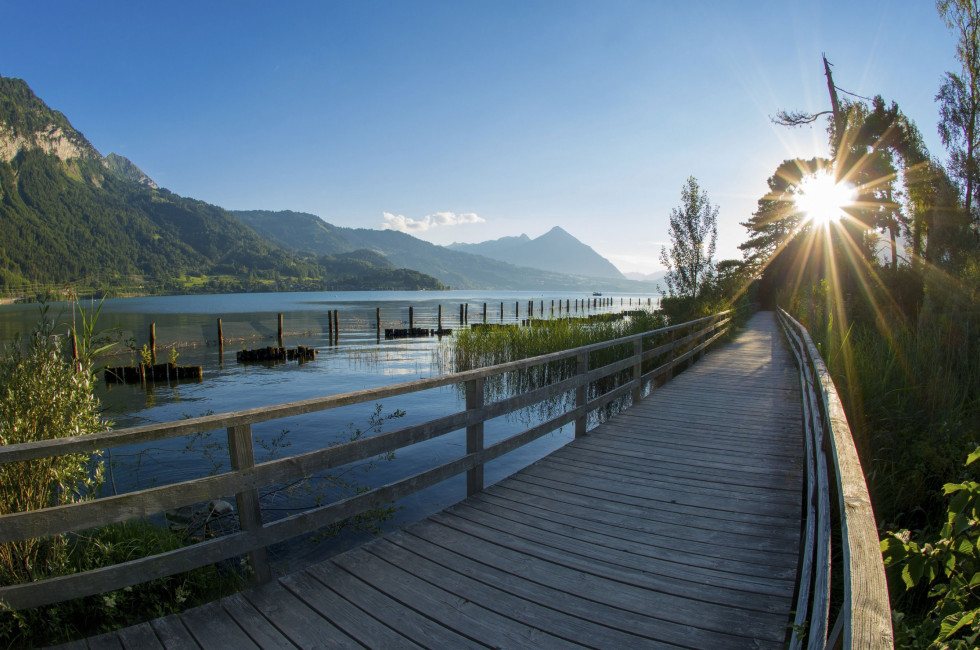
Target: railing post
{"points": [[474, 434], [638, 370], [249, 511], [581, 393]]}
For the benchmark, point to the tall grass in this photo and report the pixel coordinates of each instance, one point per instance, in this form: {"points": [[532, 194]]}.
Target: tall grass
{"points": [[911, 391], [481, 347]]}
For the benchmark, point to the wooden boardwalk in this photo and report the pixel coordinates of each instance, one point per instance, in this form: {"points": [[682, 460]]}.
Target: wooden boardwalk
{"points": [[675, 524]]}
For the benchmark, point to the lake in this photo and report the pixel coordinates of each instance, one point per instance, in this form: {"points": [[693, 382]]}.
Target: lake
{"points": [[359, 360]]}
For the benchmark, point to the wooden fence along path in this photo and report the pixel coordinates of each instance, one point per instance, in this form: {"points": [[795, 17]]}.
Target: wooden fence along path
{"points": [[675, 523]]}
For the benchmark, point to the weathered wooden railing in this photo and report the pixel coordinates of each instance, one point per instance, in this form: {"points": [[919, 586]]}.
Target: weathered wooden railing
{"points": [[668, 347], [862, 618]]}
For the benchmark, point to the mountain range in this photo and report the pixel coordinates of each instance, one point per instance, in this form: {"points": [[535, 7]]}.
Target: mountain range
{"points": [[555, 251], [69, 215]]}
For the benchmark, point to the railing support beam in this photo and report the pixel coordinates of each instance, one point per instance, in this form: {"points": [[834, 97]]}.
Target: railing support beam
{"points": [[474, 435], [249, 510]]}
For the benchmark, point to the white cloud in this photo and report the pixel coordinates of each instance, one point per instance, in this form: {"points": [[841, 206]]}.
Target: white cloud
{"points": [[402, 223]]}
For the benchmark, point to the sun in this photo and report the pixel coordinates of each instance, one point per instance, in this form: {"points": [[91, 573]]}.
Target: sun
{"points": [[820, 198]]}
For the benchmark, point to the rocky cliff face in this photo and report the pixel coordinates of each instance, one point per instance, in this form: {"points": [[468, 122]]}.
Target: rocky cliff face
{"points": [[124, 168]]}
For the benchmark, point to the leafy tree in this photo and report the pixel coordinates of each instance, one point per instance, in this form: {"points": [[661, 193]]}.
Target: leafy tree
{"points": [[959, 99], [693, 232]]}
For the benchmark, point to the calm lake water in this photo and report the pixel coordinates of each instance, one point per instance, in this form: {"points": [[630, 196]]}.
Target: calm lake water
{"points": [[188, 324]]}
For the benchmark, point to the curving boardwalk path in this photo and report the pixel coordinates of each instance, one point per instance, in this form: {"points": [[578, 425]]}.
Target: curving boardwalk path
{"points": [[675, 524]]}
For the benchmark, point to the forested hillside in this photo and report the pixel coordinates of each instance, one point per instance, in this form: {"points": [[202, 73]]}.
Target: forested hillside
{"points": [[70, 216]]}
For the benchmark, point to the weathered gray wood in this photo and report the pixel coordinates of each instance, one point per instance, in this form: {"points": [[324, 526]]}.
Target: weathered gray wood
{"points": [[581, 393], [256, 626], [249, 510], [474, 432], [865, 620], [352, 620], [395, 615], [139, 637], [465, 617], [172, 633], [528, 612], [108, 641], [213, 628], [303, 626]]}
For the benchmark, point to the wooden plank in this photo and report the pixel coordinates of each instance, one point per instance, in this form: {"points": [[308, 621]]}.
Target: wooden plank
{"points": [[354, 621], [632, 555], [172, 633], [465, 617], [698, 554], [406, 620], [139, 637], [761, 508], [528, 612], [295, 620], [256, 626], [213, 628], [651, 630], [107, 641], [685, 622], [571, 556], [649, 520], [775, 527]]}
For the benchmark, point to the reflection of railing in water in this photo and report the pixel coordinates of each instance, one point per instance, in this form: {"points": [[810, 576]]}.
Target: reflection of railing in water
{"points": [[686, 342]]}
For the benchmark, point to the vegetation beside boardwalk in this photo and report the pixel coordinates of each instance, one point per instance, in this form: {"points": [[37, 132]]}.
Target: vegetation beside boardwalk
{"points": [[46, 392]]}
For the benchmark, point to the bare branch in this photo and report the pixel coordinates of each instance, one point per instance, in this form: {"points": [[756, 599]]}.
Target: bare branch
{"points": [[796, 118]]}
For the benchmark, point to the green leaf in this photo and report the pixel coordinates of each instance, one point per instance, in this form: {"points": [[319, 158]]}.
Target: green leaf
{"points": [[912, 571], [893, 550], [973, 456], [951, 624]]}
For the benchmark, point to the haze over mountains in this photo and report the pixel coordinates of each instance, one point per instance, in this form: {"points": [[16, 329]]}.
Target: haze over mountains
{"points": [[70, 215]]}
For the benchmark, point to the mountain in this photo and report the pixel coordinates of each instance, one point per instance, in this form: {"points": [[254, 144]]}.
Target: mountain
{"points": [[656, 276], [70, 215], [457, 269], [556, 251]]}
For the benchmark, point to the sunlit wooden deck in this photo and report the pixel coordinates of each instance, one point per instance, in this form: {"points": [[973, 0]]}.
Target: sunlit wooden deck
{"points": [[677, 523]]}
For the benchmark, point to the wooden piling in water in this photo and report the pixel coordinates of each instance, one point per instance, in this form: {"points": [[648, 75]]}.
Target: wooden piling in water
{"points": [[329, 327], [221, 338], [440, 318], [279, 331], [501, 311], [411, 318], [336, 325], [461, 321], [153, 342], [377, 319]]}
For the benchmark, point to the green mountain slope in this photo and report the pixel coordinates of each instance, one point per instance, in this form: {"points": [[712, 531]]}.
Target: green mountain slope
{"points": [[68, 215]]}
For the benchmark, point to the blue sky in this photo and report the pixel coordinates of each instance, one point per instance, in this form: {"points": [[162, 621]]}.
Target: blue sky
{"points": [[490, 118]]}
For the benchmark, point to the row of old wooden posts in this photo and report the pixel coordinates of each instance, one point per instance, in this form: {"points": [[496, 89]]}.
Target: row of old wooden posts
{"points": [[154, 372]]}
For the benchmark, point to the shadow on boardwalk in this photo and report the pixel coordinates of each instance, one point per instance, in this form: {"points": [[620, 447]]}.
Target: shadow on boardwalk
{"points": [[676, 523]]}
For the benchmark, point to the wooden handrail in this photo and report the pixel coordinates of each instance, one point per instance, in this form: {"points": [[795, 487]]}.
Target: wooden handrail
{"points": [[863, 618], [246, 476]]}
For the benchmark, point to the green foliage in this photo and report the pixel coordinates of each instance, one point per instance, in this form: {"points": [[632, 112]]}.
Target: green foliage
{"points": [[44, 395], [947, 569], [92, 615], [693, 232]]}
